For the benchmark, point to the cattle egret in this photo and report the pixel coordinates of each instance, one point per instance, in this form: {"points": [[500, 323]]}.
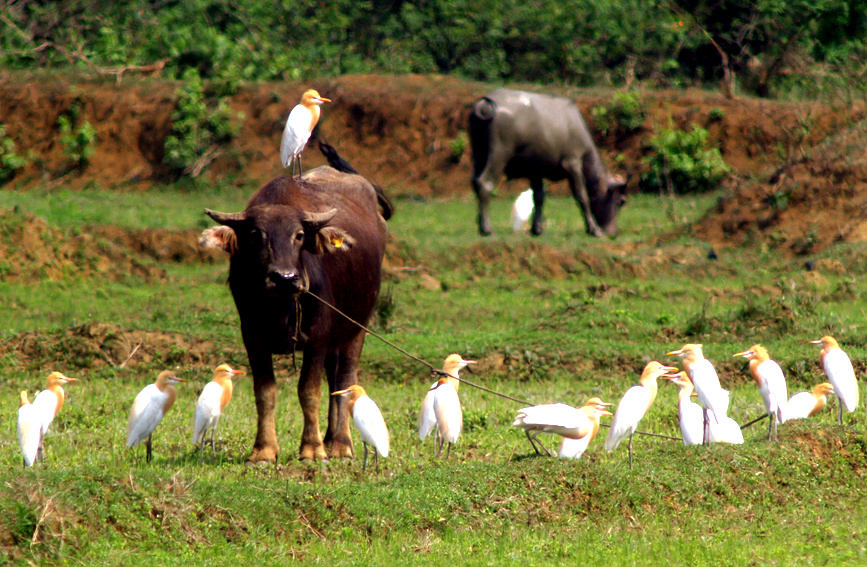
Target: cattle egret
{"points": [[369, 421], [807, 404], [772, 385], [447, 409], [48, 402], [299, 126], [522, 210], [692, 418], [29, 430], [633, 405], [578, 426], [838, 369], [212, 401], [427, 419], [701, 372], [148, 409]]}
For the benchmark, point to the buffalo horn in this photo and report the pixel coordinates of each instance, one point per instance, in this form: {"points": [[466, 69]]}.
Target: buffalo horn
{"points": [[315, 221], [225, 218]]}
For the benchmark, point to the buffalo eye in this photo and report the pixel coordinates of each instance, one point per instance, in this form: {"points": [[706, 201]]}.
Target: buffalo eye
{"points": [[299, 236]]}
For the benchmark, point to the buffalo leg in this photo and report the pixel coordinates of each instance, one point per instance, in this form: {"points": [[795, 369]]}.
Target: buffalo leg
{"points": [[265, 448], [579, 192], [538, 186], [338, 437], [309, 394], [483, 185]]}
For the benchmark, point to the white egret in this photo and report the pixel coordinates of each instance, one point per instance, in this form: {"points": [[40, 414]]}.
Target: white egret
{"points": [[29, 430], [578, 426], [838, 369], [212, 401], [300, 124], [48, 402], [807, 404], [427, 419], [772, 385], [634, 405], [522, 210], [148, 409], [712, 397], [368, 420]]}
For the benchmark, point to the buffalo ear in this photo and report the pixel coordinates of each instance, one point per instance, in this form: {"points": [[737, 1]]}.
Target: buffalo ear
{"points": [[220, 237], [332, 239]]}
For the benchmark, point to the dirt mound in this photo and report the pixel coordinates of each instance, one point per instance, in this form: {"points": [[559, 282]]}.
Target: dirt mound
{"points": [[32, 250], [96, 345], [805, 205]]}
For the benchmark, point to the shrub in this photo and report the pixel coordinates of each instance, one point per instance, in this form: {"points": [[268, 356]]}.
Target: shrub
{"points": [[199, 127], [10, 162], [681, 162], [78, 143], [624, 115]]}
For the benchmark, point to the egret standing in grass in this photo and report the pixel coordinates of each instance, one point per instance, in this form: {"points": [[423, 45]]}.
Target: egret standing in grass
{"points": [[148, 409], [300, 124], [522, 210], [634, 405], [838, 369], [692, 418], [564, 420], [29, 430], [713, 399], [48, 402], [212, 401], [807, 404], [368, 420], [427, 419], [574, 448], [772, 385]]}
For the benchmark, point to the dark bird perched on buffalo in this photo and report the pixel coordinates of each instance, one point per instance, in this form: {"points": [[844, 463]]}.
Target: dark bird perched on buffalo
{"points": [[536, 136], [340, 164], [320, 232]]}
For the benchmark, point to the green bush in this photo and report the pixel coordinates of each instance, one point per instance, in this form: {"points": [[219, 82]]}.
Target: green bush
{"points": [[624, 115], [78, 143], [200, 126], [10, 162], [682, 162]]}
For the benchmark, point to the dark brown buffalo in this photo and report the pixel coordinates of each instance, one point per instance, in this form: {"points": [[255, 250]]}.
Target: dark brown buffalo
{"points": [[321, 232], [535, 136]]}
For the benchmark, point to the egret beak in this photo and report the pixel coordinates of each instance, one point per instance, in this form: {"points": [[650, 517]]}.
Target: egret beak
{"points": [[745, 354], [340, 392], [322, 99], [238, 372], [175, 380], [677, 352], [816, 342], [604, 412]]}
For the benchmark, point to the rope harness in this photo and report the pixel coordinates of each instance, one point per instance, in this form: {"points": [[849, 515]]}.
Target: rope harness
{"points": [[437, 372]]}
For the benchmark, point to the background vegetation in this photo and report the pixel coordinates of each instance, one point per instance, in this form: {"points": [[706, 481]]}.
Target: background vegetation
{"points": [[802, 47]]}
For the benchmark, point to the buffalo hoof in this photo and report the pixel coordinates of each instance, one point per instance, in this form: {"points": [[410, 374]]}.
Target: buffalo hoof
{"points": [[536, 230], [263, 455], [340, 450], [312, 452]]}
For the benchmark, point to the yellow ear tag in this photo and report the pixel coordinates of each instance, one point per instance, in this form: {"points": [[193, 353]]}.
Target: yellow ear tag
{"points": [[337, 241]]}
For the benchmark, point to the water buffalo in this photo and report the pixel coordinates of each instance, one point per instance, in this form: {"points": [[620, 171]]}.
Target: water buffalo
{"points": [[320, 232], [535, 136]]}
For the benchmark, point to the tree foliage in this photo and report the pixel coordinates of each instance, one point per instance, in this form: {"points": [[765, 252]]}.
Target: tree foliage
{"points": [[768, 44]]}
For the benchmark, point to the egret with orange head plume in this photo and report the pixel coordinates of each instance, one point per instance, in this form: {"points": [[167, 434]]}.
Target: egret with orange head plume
{"points": [[807, 404], [634, 405], [427, 419], [300, 124], [712, 397], [772, 385], [838, 369], [48, 402], [212, 401], [369, 422], [148, 409]]}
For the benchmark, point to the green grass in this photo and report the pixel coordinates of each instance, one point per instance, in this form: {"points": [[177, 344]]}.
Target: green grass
{"points": [[558, 318]]}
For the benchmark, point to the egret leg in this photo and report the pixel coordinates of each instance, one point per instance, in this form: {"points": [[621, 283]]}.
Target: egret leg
{"points": [[630, 451], [213, 434], [705, 427], [364, 463], [449, 452], [840, 412], [536, 437], [40, 451], [148, 454]]}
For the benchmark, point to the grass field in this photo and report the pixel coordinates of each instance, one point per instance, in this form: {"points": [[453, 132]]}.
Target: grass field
{"points": [[558, 318]]}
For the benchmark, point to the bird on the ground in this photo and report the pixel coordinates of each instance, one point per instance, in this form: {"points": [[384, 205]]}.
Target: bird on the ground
{"points": [[692, 417], [148, 409], [427, 419], [772, 385], [300, 124], [212, 401], [29, 430], [807, 404], [368, 420], [577, 424], [712, 397], [449, 416], [522, 210], [48, 402], [838, 369], [634, 405]]}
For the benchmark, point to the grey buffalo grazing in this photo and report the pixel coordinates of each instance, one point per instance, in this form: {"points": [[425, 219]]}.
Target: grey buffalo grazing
{"points": [[320, 232], [535, 136]]}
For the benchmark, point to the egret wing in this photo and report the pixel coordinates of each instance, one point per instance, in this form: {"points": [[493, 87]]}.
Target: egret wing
{"points": [[29, 433], [691, 422], [726, 431], [447, 407], [800, 405], [146, 414], [774, 391], [207, 411], [427, 419], [632, 407], [45, 405], [840, 373], [370, 423], [295, 134]]}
